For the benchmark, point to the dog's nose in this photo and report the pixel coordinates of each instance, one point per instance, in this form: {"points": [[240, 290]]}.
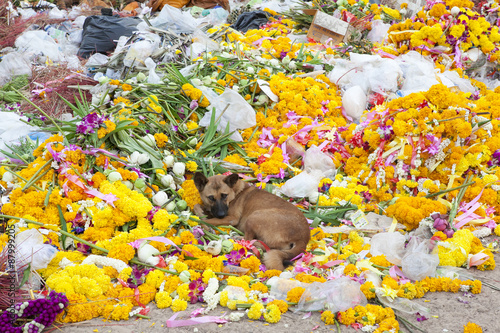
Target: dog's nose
{"points": [[220, 214]]}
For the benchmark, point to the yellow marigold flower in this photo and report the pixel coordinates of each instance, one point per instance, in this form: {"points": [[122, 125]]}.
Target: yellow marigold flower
{"points": [[124, 252], [472, 328], [161, 139], [190, 194], [237, 281], [368, 288], [155, 278], [255, 311], [295, 294], [252, 263], [282, 305], [224, 298], [179, 305], [126, 87], [259, 286], [163, 300], [191, 166], [497, 230], [272, 314], [328, 317]]}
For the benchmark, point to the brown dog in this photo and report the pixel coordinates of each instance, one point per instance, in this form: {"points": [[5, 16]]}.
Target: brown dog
{"points": [[228, 200]]}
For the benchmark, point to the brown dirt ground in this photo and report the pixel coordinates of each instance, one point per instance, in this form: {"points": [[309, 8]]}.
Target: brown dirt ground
{"points": [[451, 314]]}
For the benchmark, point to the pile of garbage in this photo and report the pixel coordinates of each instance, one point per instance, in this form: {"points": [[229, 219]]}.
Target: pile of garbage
{"points": [[378, 121]]}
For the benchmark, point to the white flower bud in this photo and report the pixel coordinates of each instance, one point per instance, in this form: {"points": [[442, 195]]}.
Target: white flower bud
{"points": [[160, 198], [196, 82], [114, 176], [286, 60], [142, 159], [149, 139], [207, 80], [185, 276], [8, 177], [293, 65], [214, 247], [192, 142], [141, 77], [274, 62], [455, 11], [140, 184], [147, 254], [262, 99], [179, 169], [166, 180], [169, 161], [129, 184], [250, 70], [170, 206]]}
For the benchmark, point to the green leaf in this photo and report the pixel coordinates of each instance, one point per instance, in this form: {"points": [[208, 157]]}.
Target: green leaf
{"points": [[64, 227], [26, 275]]}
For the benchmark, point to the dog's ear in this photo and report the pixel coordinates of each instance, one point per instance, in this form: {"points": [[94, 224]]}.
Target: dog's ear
{"points": [[231, 179], [200, 181]]}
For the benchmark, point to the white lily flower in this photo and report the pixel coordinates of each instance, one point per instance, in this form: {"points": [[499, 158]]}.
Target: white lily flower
{"points": [[214, 247], [149, 139], [114, 176]]}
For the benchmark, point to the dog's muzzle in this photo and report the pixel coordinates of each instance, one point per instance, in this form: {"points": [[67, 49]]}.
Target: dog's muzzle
{"points": [[219, 210]]}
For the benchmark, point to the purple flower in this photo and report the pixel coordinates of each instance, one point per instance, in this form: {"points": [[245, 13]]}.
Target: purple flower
{"points": [[193, 105], [196, 287], [89, 123], [235, 257], [421, 317]]}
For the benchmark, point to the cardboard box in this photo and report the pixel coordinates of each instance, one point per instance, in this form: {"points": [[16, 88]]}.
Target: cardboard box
{"points": [[325, 27], [309, 11]]}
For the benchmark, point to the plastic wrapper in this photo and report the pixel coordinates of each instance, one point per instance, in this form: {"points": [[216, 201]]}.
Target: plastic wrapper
{"points": [[281, 286], [370, 72], [31, 250], [317, 165], [38, 42], [13, 64], [418, 72], [238, 113], [153, 77], [173, 19], [334, 295], [354, 102], [378, 31], [12, 129], [390, 244], [418, 263], [141, 50], [201, 43]]}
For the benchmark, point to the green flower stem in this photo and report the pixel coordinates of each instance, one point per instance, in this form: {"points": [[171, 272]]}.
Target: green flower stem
{"points": [[446, 191], [35, 177], [20, 177], [42, 112], [207, 224]]}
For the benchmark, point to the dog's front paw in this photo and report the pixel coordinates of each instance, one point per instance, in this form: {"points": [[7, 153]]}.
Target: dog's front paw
{"points": [[199, 211]]}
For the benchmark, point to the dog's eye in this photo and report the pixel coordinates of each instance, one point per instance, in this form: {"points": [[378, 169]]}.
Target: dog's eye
{"points": [[223, 196], [211, 198]]}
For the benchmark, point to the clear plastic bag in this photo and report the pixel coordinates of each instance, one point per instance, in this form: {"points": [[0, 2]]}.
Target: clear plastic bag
{"points": [[390, 244], [38, 42], [141, 50], [31, 250], [201, 43], [13, 64], [418, 72], [281, 286], [317, 165], [230, 108], [354, 102], [418, 263], [378, 31], [334, 295], [153, 77], [174, 19]]}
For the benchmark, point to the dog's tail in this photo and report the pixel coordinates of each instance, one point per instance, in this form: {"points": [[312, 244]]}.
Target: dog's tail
{"points": [[275, 258]]}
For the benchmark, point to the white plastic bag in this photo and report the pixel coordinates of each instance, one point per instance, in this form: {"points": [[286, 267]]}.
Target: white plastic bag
{"points": [[418, 263], [153, 77], [13, 64], [334, 295], [317, 165], [390, 244], [38, 42], [418, 72], [141, 50], [31, 250], [174, 19], [379, 31], [354, 102], [201, 43], [238, 113]]}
